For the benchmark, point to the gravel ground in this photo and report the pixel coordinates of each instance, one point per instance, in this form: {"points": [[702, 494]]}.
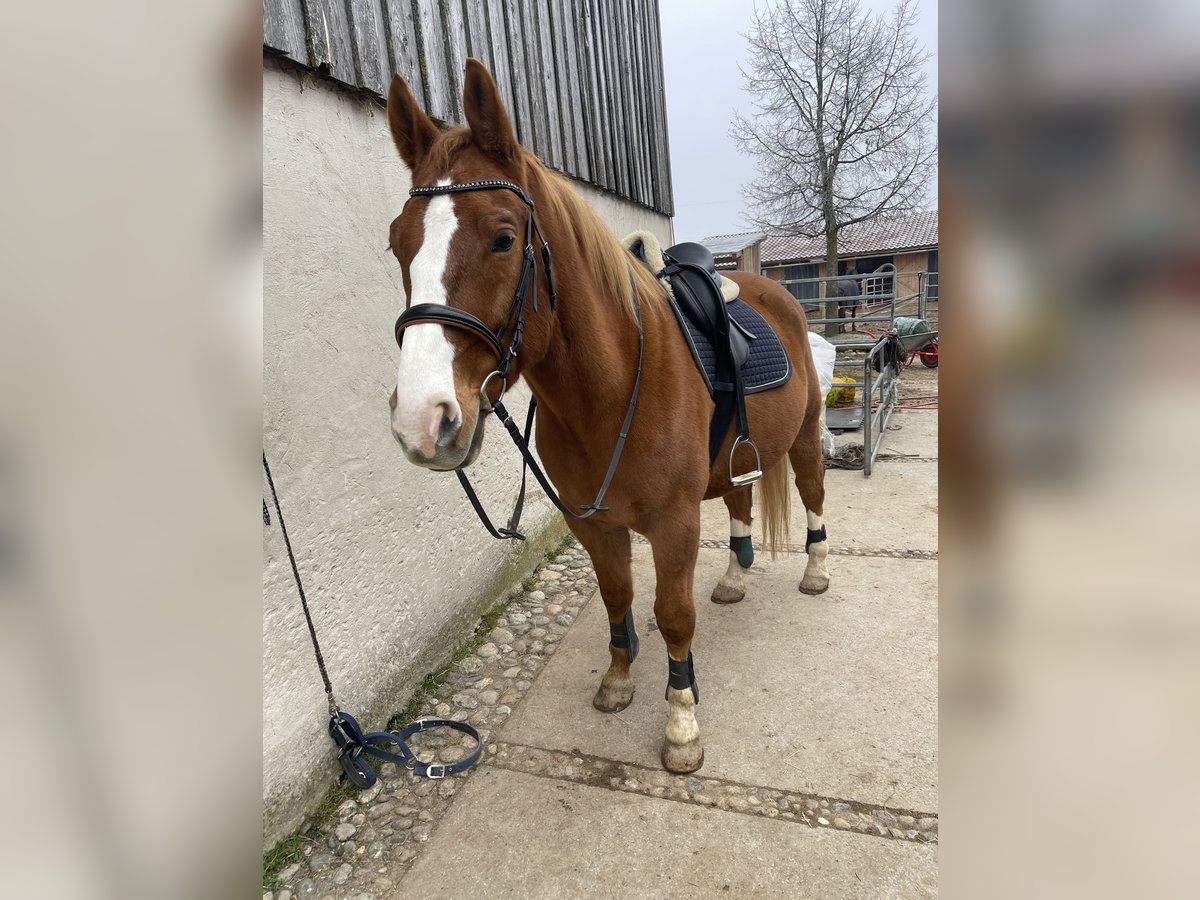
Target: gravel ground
{"points": [[918, 381]]}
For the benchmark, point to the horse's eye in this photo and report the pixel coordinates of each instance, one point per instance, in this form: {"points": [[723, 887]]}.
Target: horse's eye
{"points": [[502, 244]]}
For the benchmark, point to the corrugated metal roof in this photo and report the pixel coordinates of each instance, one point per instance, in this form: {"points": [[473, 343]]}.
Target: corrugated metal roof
{"points": [[912, 232], [726, 244]]}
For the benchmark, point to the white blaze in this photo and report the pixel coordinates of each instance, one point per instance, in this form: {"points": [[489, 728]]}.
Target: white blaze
{"points": [[426, 374]]}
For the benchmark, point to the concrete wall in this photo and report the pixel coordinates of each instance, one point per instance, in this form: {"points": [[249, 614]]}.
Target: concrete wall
{"points": [[396, 566]]}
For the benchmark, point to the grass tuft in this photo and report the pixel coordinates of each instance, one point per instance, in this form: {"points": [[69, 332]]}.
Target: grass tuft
{"points": [[291, 849], [436, 678]]}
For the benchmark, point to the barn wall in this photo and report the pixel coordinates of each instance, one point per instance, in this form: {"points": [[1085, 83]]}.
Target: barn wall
{"points": [[583, 78], [396, 566], [908, 269]]}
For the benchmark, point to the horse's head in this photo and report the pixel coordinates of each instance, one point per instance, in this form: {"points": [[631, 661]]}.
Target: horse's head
{"points": [[463, 251]]}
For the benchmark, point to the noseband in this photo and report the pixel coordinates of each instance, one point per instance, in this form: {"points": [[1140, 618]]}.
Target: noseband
{"points": [[439, 314]]}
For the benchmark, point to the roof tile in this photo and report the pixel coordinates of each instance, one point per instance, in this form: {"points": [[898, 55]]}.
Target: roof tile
{"points": [[910, 232]]}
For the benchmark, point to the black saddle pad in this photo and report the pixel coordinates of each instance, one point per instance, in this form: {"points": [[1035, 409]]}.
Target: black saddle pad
{"points": [[768, 365]]}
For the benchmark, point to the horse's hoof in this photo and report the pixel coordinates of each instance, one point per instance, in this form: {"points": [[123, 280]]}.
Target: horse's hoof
{"points": [[683, 758], [814, 584], [724, 593], [613, 698]]}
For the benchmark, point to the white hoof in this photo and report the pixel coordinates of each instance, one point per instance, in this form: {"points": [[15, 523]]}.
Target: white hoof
{"points": [[728, 593]]}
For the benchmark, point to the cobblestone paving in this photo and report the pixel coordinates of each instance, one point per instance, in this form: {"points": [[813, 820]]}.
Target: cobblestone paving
{"points": [[366, 851], [887, 552], [793, 806]]}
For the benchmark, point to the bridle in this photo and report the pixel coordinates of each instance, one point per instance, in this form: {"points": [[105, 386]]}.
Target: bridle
{"points": [[440, 314], [514, 328]]}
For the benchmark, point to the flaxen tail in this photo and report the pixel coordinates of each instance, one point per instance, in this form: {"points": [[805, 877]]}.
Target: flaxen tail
{"points": [[775, 507]]}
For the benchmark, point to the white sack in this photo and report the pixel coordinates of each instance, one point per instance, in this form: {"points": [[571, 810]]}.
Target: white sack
{"points": [[824, 355]]}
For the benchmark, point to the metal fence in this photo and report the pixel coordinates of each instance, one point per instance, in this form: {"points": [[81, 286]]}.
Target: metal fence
{"points": [[927, 301], [883, 296], [863, 354]]}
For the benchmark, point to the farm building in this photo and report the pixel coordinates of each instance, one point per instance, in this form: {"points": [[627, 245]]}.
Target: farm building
{"points": [[396, 567], [909, 243]]}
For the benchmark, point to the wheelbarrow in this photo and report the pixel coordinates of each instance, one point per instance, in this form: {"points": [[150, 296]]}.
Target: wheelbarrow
{"points": [[915, 339]]}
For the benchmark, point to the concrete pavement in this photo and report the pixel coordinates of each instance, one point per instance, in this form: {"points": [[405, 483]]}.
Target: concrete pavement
{"points": [[819, 716]]}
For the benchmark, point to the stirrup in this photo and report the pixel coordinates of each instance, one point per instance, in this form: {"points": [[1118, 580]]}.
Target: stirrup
{"points": [[754, 474]]}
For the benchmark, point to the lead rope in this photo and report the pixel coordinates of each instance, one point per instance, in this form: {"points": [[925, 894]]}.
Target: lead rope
{"points": [[344, 729], [312, 630]]}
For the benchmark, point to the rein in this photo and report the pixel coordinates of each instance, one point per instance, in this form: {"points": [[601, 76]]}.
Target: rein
{"points": [[438, 314]]}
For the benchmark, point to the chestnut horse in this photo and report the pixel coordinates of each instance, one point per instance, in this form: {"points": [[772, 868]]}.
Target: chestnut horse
{"points": [[462, 249]]}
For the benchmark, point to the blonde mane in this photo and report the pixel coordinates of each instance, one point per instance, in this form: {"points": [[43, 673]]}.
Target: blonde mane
{"points": [[603, 253]]}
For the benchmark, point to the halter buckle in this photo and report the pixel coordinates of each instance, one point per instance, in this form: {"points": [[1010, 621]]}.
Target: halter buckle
{"points": [[754, 474]]}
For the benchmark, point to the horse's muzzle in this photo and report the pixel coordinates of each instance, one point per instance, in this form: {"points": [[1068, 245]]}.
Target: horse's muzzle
{"points": [[439, 444]]}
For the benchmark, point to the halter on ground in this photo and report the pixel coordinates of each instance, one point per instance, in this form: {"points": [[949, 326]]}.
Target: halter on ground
{"points": [[349, 738], [450, 316]]}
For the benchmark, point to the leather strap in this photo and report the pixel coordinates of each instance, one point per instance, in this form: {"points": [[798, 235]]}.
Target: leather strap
{"points": [[438, 314], [469, 490], [514, 521], [530, 462], [485, 184]]}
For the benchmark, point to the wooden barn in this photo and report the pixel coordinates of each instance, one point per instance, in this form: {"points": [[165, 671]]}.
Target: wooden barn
{"points": [[908, 243]]}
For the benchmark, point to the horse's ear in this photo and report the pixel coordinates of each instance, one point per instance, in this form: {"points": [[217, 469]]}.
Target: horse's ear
{"points": [[490, 125], [412, 130]]}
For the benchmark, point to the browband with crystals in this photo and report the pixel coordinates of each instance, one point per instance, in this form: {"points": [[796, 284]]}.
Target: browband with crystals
{"points": [[486, 184]]}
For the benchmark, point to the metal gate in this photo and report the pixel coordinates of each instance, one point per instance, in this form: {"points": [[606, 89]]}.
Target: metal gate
{"points": [[876, 375]]}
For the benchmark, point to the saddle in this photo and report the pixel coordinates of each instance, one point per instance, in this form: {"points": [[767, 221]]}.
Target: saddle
{"points": [[693, 276], [692, 273]]}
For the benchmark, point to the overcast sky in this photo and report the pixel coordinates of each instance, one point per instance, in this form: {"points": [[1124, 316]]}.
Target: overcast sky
{"points": [[703, 45]]}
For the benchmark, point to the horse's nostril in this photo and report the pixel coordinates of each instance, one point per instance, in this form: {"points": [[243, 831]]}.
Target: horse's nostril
{"points": [[449, 425]]}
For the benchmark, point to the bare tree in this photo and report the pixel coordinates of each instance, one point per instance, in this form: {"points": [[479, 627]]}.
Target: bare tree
{"points": [[841, 131]]}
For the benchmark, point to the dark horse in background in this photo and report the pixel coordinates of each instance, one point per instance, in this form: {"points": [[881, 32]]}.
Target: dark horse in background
{"points": [[463, 250]]}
